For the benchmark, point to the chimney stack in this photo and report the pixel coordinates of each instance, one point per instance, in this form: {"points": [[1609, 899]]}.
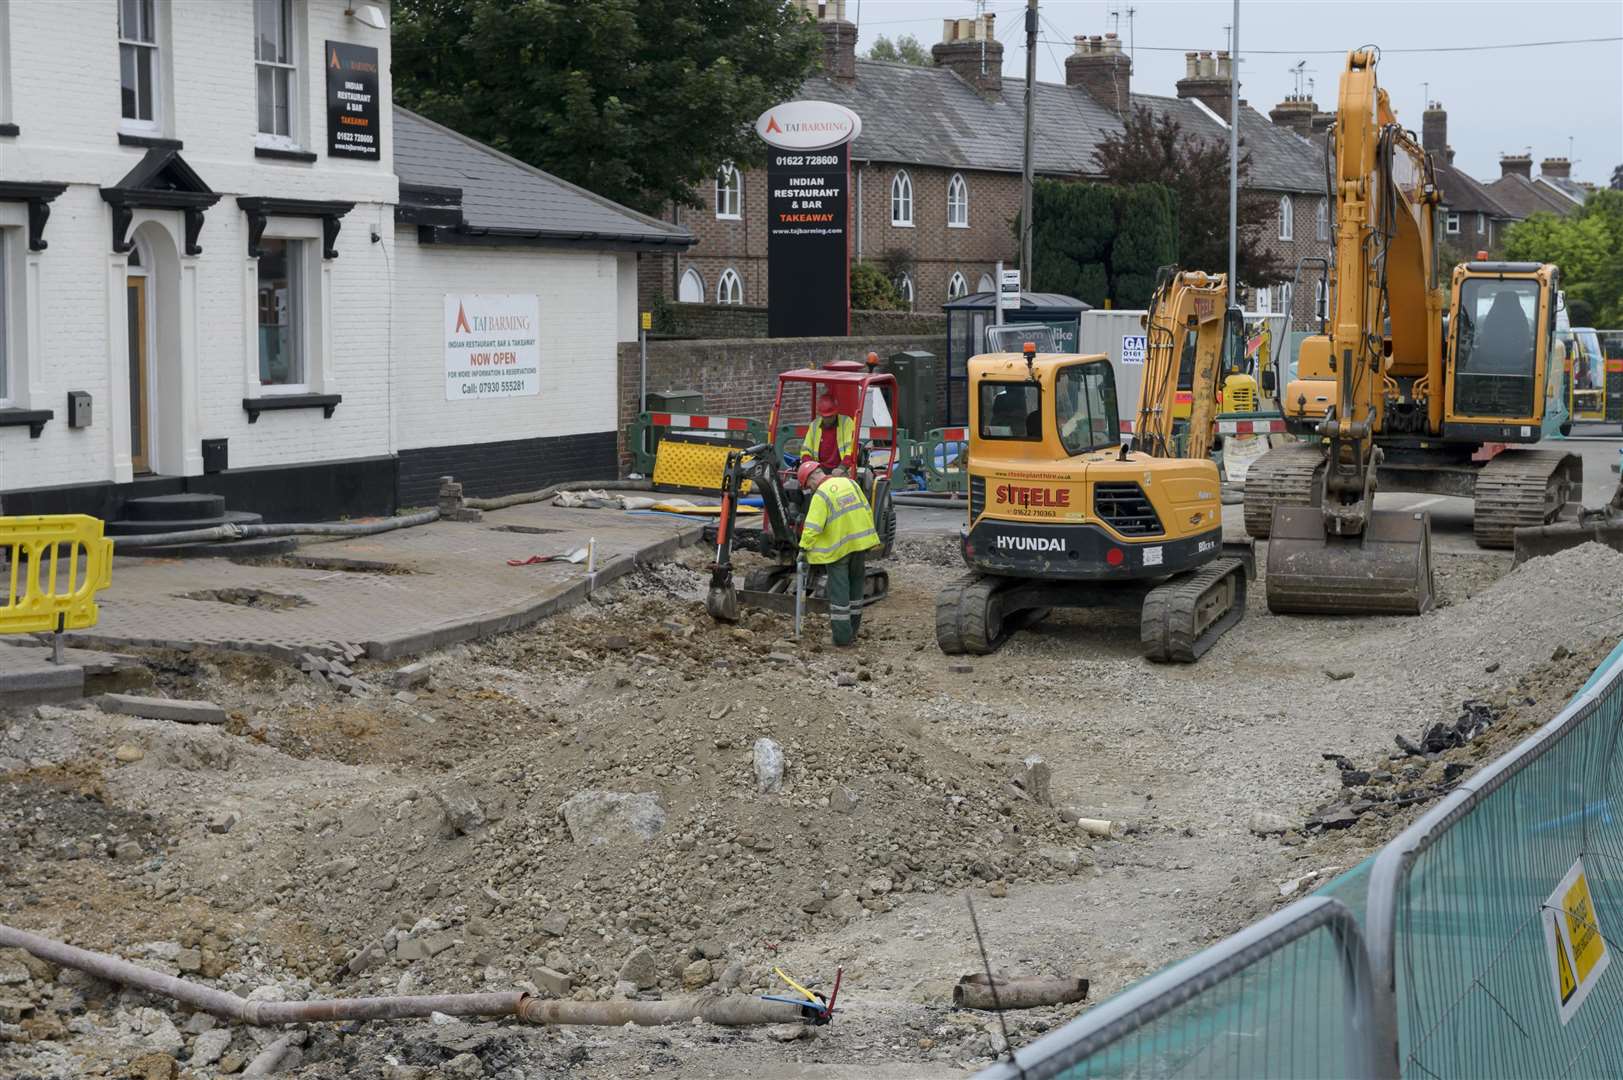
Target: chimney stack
{"points": [[1556, 168], [1206, 79], [1296, 113], [970, 49], [839, 38], [1098, 66], [1516, 165], [1434, 130]]}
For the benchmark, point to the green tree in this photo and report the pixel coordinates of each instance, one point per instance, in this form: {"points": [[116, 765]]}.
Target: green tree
{"points": [[1156, 151], [1101, 243], [636, 100], [1146, 239], [1588, 247], [905, 49]]}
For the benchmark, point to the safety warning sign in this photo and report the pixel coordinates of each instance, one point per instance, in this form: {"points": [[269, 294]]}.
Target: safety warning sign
{"points": [[1574, 944]]}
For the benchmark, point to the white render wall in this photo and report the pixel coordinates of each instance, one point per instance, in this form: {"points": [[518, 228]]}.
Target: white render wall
{"points": [[579, 297]]}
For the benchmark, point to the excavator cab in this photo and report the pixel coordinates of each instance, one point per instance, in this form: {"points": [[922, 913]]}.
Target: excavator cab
{"points": [[1500, 358]]}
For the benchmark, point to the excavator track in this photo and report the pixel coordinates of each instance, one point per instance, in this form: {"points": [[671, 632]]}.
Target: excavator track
{"points": [[970, 616], [1521, 488], [1284, 476], [1184, 617]]}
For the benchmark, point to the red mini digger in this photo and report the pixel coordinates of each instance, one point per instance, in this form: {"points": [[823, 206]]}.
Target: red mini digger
{"points": [[859, 392]]}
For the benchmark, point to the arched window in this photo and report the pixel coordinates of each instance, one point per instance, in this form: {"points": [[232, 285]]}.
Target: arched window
{"points": [[1321, 299], [904, 285], [901, 199], [729, 192], [1323, 216], [691, 291], [729, 289], [986, 284], [957, 203], [1286, 216], [957, 286]]}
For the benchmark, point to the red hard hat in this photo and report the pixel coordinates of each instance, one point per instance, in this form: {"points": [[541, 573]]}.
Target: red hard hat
{"points": [[826, 405], [803, 473]]}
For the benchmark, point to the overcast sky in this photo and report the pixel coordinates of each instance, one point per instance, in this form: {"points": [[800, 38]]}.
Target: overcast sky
{"points": [[1504, 100]]}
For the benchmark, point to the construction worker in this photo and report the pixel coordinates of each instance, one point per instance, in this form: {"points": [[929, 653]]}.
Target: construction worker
{"points": [[839, 530], [830, 440]]}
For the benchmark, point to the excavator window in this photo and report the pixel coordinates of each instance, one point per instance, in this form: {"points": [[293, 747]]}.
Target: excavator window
{"points": [[1085, 407], [1011, 410], [1494, 356]]}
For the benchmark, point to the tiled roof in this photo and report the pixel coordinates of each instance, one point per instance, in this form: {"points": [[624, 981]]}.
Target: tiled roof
{"points": [[1463, 193], [1522, 197], [501, 192], [916, 115]]}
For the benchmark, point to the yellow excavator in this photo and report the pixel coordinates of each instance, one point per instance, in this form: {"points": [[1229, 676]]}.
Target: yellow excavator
{"points": [[1395, 398], [1061, 514]]}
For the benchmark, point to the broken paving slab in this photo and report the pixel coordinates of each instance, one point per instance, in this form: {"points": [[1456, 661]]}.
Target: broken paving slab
{"points": [[152, 708]]}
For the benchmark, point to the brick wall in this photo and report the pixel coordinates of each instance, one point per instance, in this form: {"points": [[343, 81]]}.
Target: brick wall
{"points": [[739, 377], [1304, 243], [750, 321]]}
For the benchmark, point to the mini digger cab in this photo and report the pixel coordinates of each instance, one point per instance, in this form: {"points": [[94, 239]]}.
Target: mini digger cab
{"points": [[1062, 515], [870, 401]]}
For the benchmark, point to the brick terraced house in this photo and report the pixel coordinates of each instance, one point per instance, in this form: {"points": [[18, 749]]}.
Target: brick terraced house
{"points": [[935, 183]]}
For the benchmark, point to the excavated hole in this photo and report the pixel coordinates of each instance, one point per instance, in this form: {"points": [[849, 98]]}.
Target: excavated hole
{"points": [[530, 529], [253, 598], [324, 562]]}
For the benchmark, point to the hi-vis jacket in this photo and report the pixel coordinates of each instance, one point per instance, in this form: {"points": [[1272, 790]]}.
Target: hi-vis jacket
{"points": [[845, 434], [838, 522]]}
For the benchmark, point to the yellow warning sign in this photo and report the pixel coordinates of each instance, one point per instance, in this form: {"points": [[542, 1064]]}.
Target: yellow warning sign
{"points": [[1573, 941]]}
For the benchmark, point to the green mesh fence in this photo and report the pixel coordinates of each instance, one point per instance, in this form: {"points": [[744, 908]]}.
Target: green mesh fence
{"points": [[1457, 908], [1287, 997]]}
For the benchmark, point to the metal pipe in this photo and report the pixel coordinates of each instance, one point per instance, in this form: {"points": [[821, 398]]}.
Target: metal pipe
{"points": [[1026, 229], [734, 1010], [1017, 991], [1234, 157]]}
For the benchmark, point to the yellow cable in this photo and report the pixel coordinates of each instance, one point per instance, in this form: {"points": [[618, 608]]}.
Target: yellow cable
{"points": [[811, 997]]}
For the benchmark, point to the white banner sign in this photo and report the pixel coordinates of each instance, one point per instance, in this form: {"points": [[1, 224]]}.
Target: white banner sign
{"points": [[1008, 291], [492, 345], [1132, 348]]}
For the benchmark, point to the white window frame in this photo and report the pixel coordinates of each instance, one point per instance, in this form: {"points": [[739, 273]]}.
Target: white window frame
{"points": [[298, 285], [986, 284], [1453, 226], [904, 285], [957, 202], [729, 193], [1481, 223], [729, 287], [270, 139], [1321, 299], [901, 200], [155, 46], [957, 286], [1286, 298], [690, 275], [1322, 216], [1287, 218], [1265, 301]]}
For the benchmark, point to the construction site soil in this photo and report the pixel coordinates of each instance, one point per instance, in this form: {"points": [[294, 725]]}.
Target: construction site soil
{"points": [[577, 808]]}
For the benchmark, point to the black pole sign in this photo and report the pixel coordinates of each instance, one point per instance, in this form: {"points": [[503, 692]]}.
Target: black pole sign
{"points": [[808, 173], [352, 101], [809, 289]]}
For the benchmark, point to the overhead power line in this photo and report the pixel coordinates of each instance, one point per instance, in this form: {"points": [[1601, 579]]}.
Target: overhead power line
{"points": [[1343, 52]]}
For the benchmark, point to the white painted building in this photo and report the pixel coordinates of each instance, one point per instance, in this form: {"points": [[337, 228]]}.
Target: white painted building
{"points": [[254, 299]]}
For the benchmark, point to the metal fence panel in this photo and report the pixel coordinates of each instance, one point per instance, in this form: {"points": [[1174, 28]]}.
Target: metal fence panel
{"points": [[1457, 908], [1288, 997]]}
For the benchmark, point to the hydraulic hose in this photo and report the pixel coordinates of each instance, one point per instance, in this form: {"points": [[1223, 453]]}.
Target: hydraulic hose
{"points": [[501, 502], [250, 532]]}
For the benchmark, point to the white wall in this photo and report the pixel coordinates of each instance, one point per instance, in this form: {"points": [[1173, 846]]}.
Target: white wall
{"points": [[64, 97], [579, 297]]}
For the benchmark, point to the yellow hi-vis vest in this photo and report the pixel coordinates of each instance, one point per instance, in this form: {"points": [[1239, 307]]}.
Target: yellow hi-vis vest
{"points": [[838, 523], [845, 435]]}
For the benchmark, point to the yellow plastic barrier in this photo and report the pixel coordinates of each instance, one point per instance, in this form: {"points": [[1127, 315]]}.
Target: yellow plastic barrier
{"points": [[56, 564]]}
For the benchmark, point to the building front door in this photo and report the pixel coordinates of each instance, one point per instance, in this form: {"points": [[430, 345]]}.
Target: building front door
{"points": [[140, 375]]}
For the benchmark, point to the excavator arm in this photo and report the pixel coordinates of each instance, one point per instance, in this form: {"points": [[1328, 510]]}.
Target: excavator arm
{"points": [[1344, 557], [1185, 328]]}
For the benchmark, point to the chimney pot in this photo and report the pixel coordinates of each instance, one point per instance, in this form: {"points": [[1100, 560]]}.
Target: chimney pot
{"points": [[972, 51], [1103, 70]]}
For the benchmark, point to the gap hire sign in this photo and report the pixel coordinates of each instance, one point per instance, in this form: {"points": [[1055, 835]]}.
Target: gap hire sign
{"points": [[808, 200], [492, 345]]}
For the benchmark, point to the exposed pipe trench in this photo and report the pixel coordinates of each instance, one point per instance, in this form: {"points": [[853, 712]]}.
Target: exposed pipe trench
{"points": [[736, 1010]]}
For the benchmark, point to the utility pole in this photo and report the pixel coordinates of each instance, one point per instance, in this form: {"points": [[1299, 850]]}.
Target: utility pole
{"points": [[1025, 177], [1234, 156]]}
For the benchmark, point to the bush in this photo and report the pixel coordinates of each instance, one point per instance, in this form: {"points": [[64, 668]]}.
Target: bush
{"points": [[872, 290], [1097, 242]]}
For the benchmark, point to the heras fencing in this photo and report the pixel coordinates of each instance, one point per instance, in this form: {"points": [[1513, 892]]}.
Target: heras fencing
{"points": [[1485, 947]]}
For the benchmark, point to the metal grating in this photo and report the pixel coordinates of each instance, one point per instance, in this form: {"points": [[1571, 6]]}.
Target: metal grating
{"points": [[1125, 508]]}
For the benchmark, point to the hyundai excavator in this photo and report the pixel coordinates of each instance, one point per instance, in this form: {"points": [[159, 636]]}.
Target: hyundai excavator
{"points": [[1393, 398], [1061, 514]]}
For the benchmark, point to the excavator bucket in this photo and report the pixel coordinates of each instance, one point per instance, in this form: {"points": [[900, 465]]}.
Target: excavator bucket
{"points": [[1386, 571], [1549, 539], [722, 599]]}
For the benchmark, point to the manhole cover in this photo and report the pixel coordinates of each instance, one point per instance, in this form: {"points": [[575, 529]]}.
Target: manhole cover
{"points": [[254, 598]]}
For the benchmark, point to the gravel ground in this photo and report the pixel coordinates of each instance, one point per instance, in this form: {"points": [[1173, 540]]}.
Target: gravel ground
{"points": [[582, 800]]}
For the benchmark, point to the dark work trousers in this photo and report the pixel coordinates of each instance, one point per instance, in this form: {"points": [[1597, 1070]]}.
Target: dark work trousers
{"points": [[843, 586]]}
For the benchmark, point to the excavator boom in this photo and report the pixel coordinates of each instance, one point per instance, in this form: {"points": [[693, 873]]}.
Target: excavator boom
{"points": [[1343, 556]]}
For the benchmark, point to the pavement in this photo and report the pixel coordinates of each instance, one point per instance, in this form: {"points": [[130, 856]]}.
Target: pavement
{"points": [[391, 595], [29, 675]]}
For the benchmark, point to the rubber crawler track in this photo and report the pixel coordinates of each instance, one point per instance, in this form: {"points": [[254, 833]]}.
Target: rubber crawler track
{"points": [[1168, 625], [1521, 488], [1287, 476]]}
